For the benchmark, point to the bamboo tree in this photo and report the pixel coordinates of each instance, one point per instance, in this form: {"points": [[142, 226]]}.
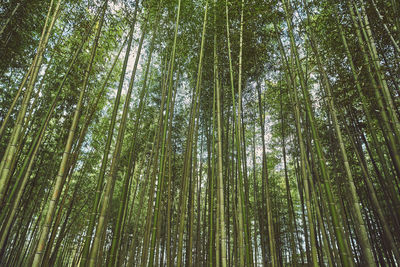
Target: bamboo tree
{"points": [[156, 208], [374, 198], [169, 200], [4, 26], [153, 168], [189, 141], [61, 172], [346, 261], [366, 111], [25, 171], [265, 179], [86, 248], [292, 217], [141, 200], [395, 45], [167, 128], [261, 205], [243, 238], [132, 157], [385, 111], [11, 149], [108, 192], [13, 104], [211, 161], [381, 77], [24, 81], [365, 244], [160, 182], [220, 185], [192, 134], [290, 80]]}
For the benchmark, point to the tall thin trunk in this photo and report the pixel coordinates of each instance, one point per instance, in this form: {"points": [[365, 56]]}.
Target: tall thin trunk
{"points": [[220, 184], [109, 189], [64, 162], [11, 149], [115, 246], [290, 80], [244, 242], [365, 244], [100, 180], [338, 227], [292, 217]]}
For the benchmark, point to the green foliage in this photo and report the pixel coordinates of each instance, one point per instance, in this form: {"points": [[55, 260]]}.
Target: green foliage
{"points": [[370, 142]]}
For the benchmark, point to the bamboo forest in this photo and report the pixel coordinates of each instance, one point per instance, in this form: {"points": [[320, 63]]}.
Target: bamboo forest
{"points": [[199, 133]]}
